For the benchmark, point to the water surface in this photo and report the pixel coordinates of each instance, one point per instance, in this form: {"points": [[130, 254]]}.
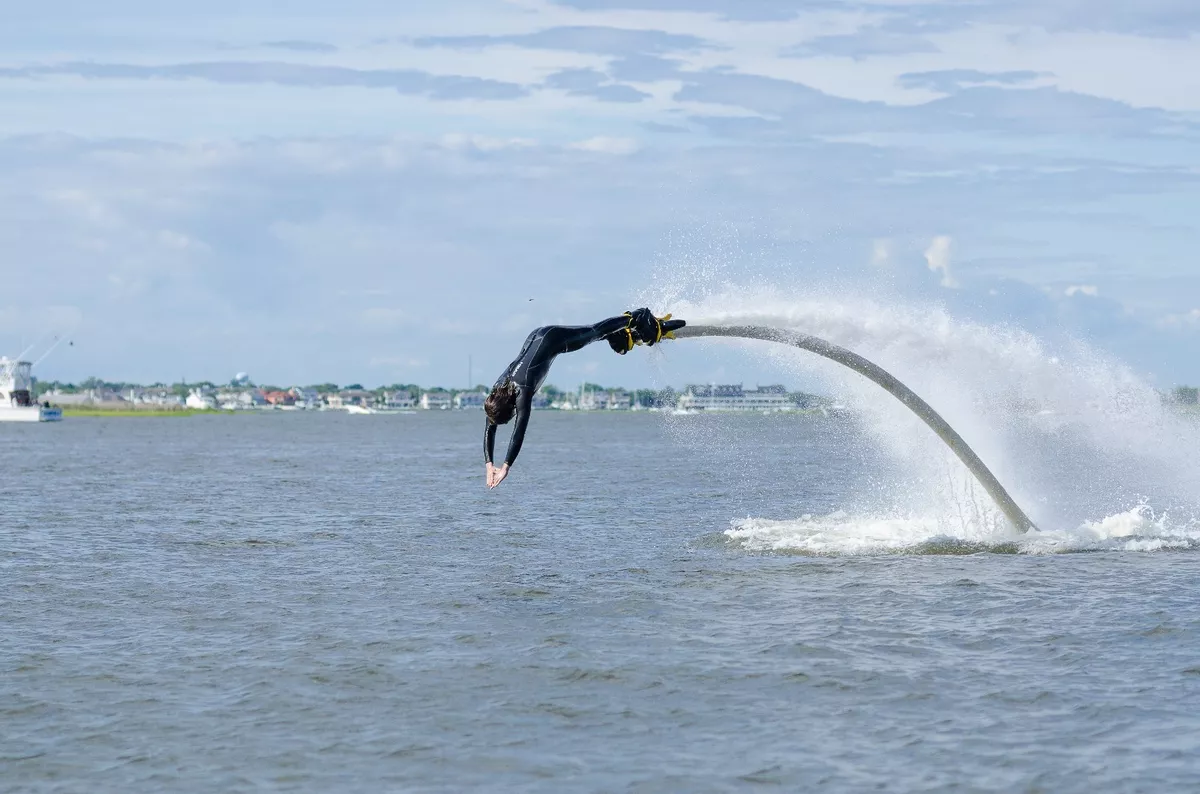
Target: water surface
{"points": [[336, 603]]}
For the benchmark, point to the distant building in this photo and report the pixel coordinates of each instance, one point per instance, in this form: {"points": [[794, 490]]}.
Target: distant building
{"points": [[469, 399], [86, 397], [305, 398], [355, 397], [735, 398], [401, 400], [610, 400], [280, 398], [435, 401], [157, 396], [57, 397], [619, 400], [199, 400]]}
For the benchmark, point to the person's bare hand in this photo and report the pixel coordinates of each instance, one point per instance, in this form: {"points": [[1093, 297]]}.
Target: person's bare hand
{"points": [[498, 475], [491, 475]]}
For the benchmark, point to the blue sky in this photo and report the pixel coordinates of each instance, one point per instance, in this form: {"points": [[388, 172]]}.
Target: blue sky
{"points": [[377, 194]]}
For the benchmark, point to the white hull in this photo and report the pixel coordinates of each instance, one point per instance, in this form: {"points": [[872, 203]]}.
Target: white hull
{"points": [[33, 413], [358, 409]]}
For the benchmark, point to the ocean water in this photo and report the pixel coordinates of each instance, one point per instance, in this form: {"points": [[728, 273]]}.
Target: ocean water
{"points": [[292, 602]]}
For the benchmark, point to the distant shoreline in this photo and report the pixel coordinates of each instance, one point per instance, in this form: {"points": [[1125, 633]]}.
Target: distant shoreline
{"points": [[99, 411], [96, 411], [158, 411]]}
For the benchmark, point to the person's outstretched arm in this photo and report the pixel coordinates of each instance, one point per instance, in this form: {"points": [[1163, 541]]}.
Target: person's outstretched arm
{"points": [[524, 408], [489, 441]]}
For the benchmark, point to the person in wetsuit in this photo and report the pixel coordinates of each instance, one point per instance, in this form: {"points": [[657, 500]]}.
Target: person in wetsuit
{"points": [[514, 389]]}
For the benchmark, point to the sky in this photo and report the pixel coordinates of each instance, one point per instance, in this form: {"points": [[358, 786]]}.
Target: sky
{"points": [[399, 192]]}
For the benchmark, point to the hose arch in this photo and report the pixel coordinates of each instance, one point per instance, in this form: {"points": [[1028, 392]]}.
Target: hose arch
{"points": [[893, 386]]}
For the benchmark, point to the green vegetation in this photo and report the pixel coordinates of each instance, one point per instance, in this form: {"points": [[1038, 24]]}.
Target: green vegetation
{"points": [[120, 410]]}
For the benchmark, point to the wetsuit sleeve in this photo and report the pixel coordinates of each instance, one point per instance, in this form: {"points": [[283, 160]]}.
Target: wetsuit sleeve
{"points": [[489, 440], [524, 408]]}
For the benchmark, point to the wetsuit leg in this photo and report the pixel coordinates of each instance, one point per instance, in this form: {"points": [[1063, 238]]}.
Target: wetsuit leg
{"points": [[569, 338]]}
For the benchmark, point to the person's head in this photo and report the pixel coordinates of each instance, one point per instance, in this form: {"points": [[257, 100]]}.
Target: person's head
{"points": [[501, 403]]}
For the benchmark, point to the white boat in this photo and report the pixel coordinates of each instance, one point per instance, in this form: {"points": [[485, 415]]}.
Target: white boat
{"points": [[16, 395], [359, 409]]}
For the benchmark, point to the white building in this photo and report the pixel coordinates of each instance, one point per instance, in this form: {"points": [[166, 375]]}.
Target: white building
{"points": [[198, 400], [611, 400], [435, 401], [307, 399], [469, 399], [619, 400], [86, 397], [400, 400], [240, 399], [735, 398], [154, 396]]}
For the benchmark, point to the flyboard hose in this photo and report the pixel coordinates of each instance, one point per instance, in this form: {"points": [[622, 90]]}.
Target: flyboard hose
{"points": [[894, 387]]}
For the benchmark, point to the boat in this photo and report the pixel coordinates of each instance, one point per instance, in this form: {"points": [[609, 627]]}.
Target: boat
{"points": [[16, 395], [359, 409]]}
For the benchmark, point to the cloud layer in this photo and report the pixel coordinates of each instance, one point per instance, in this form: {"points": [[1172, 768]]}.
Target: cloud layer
{"points": [[399, 189]]}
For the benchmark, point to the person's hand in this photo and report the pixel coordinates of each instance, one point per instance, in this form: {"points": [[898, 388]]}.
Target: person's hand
{"points": [[498, 476], [491, 474]]}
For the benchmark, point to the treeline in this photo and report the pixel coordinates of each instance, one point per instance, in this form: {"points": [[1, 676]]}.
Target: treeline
{"points": [[183, 388], [643, 397]]}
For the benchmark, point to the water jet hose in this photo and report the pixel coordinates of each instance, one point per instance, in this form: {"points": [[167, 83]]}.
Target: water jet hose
{"points": [[894, 387]]}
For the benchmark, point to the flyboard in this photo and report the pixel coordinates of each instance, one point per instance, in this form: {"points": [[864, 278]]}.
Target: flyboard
{"points": [[678, 329]]}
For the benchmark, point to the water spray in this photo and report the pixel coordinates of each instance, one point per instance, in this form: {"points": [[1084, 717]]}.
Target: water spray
{"points": [[889, 382]]}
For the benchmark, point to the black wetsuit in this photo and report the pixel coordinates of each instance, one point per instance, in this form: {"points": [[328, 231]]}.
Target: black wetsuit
{"points": [[531, 367]]}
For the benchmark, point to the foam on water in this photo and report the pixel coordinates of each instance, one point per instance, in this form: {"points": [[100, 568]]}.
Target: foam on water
{"points": [[839, 533], [1083, 443]]}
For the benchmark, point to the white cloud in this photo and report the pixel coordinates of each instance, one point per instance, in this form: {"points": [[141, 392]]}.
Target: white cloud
{"points": [[382, 318], [937, 256], [1176, 321], [459, 141], [881, 252], [175, 240], [606, 145], [1091, 290]]}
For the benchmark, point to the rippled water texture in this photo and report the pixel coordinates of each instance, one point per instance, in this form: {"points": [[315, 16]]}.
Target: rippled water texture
{"points": [[336, 603]]}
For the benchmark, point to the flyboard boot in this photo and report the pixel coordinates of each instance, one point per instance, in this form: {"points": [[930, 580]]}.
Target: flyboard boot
{"points": [[643, 328]]}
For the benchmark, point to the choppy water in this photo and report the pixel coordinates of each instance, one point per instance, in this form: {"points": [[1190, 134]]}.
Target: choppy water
{"points": [[336, 603]]}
